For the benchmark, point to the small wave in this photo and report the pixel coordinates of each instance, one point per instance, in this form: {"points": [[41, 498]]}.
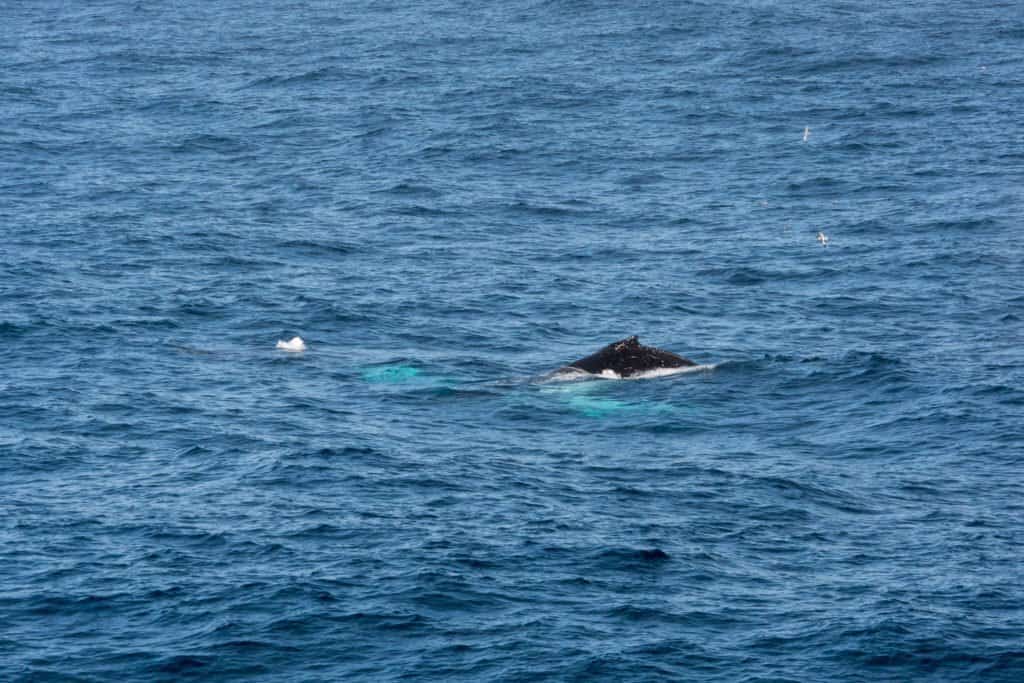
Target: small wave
{"points": [[641, 179], [313, 76], [1001, 393], [631, 559], [419, 210], [254, 645], [9, 330], [207, 142], [306, 247], [545, 209], [696, 618], [193, 451], [412, 189], [817, 494], [973, 226], [17, 90], [387, 621], [180, 664], [874, 365], [738, 276]]}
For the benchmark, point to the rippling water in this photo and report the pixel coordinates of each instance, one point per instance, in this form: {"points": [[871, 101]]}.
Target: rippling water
{"points": [[447, 201]]}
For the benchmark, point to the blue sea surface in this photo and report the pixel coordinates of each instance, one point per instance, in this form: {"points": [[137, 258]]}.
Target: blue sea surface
{"points": [[447, 201]]}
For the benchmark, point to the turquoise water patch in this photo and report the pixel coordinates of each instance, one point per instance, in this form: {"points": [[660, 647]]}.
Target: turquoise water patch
{"points": [[587, 399], [595, 406], [391, 374]]}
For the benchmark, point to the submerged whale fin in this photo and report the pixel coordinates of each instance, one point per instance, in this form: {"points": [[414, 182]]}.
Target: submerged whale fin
{"points": [[628, 357]]}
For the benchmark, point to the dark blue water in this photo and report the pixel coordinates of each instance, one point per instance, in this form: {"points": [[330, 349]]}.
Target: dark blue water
{"points": [[446, 201]]}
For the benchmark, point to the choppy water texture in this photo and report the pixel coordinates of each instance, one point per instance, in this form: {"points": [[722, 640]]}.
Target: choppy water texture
{"points": [[446, 201]]}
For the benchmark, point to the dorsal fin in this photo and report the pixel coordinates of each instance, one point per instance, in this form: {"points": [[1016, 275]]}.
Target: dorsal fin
{"points": [[627, 357], [628, 342]]}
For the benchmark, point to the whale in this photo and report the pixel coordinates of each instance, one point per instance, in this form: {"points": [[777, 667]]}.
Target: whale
{"points": [[628, 357]]}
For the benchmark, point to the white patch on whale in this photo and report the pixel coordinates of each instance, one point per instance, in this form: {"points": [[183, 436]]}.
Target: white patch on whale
{"points": [[571, 374], [665, 372]]}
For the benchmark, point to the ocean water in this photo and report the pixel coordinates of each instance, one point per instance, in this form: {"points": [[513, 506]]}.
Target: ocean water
{"points": [[447, 201]]}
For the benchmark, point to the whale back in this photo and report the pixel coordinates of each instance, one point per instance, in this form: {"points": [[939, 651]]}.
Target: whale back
{"points": [[627, 357]]}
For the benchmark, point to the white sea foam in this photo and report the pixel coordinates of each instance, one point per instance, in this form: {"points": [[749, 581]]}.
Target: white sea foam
{"points": [[293, 345], [566, 374]]}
